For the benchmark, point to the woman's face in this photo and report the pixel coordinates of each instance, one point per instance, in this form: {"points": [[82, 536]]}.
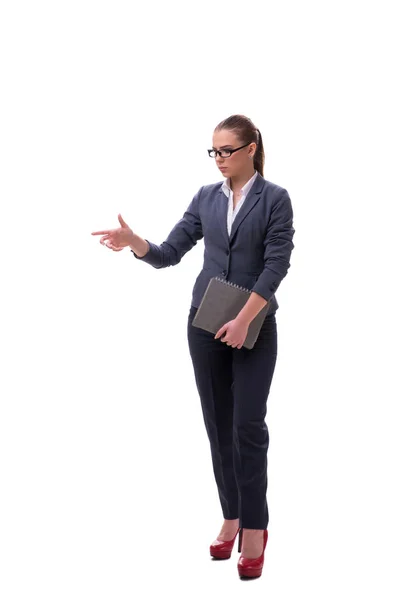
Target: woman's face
{"points": [[239, 161]]}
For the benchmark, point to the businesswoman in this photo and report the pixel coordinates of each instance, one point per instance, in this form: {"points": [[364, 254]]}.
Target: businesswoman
{"points": [[247, 226]]}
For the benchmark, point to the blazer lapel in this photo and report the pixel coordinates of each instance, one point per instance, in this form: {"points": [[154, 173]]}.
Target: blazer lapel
{"points": [[222, 213], [251, 200]]}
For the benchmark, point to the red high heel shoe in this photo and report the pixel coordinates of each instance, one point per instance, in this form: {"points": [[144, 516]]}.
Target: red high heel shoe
{"points": [[251, 567], [220, 549]]}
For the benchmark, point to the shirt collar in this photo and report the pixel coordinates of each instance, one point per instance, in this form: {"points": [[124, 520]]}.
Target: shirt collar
{"points": [[245, 189]]}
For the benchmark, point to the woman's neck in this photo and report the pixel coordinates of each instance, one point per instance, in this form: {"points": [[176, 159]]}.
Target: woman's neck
{"points": [[239, 181]]}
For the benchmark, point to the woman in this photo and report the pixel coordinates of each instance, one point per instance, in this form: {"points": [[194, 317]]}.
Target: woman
{"points": [[247, 226]]}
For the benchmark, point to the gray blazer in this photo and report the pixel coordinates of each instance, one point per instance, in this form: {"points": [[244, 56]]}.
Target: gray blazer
{"points": [[255, 255]]}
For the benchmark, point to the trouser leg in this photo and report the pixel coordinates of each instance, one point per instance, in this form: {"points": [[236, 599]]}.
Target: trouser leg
{"points": [[212, 364], [252, 372]]}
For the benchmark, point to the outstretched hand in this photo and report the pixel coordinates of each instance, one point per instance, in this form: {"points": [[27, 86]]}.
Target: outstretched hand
{"points": [[235, 333], [116, 239]]}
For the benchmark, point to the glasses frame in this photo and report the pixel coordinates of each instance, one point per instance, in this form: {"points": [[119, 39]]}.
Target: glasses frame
{"points": [[230, 151]]}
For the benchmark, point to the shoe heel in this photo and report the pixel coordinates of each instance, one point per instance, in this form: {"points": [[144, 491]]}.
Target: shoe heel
{"points": [[219, 549], [240, 540]]}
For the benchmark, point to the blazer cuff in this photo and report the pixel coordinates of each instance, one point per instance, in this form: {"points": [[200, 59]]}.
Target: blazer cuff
{"points": [[265, 288], [152, 257]]}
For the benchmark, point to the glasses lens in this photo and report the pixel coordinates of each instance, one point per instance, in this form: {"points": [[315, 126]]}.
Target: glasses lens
{"points": [[223, 153]]}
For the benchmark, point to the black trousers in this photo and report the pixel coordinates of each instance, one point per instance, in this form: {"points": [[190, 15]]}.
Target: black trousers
{"points": [[233, 386]]}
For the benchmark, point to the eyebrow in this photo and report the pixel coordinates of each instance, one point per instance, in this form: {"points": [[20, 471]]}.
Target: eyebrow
{"points": [[227, 146]]}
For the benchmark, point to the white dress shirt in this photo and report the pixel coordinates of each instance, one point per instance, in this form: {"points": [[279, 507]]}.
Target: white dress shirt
{"points": [[229, 193]]}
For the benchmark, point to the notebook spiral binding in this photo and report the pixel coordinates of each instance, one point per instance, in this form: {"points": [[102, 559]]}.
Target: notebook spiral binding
{"points": [[235, 285]]}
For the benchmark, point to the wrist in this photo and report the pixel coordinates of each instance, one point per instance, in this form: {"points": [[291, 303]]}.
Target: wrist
{"points": [[139, 246], [243, 319]]}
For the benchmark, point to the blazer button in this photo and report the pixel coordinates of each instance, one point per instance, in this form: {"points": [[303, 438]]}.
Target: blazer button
{"points": [[227, 252]]}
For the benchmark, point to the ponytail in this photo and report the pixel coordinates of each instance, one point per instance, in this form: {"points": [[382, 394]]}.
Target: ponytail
{"points": [[259, 156]]}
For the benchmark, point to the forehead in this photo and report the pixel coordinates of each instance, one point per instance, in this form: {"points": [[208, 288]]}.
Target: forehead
{"points": [[224, 137]]}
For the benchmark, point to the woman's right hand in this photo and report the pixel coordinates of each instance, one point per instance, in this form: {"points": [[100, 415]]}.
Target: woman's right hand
{"points": [[116, 239]]}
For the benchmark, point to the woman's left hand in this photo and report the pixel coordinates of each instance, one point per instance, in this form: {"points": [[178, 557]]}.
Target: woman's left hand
{"points": [[235, 333]]}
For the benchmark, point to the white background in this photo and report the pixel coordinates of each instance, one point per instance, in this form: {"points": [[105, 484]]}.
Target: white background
{"points": [[107, 490]]}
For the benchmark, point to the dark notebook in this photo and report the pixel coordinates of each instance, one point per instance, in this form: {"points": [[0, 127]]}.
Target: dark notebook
{"points": [[222, 302]]}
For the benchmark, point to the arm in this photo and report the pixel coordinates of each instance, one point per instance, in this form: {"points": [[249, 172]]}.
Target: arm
{"points": [[251, 309], [184, 235], [278, 246]]}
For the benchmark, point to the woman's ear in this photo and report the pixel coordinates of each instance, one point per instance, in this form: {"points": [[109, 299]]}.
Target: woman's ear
{"points": [[253, 145]]}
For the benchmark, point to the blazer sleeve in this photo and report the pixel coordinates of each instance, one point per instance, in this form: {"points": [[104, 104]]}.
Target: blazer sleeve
{"points": [[278, 246], [184, 235]]}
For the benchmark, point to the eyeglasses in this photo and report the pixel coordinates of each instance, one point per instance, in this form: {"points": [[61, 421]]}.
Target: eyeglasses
{"points": [[224, 153]]}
